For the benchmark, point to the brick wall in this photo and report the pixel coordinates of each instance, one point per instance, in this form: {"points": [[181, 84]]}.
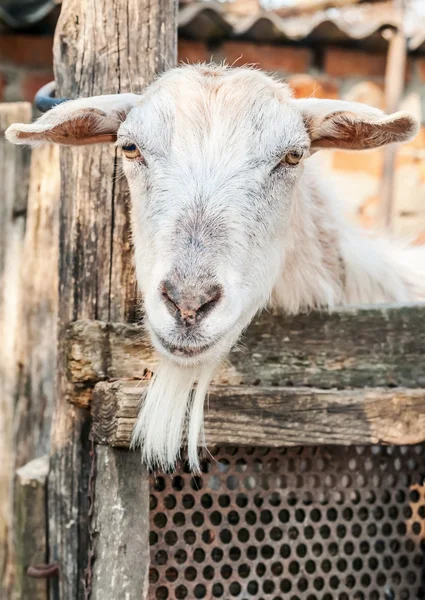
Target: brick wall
{"points": [[25, 65]]}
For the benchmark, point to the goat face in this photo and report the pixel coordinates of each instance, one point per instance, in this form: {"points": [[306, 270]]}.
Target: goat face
{"points": [[218, 156], [212, 156]]}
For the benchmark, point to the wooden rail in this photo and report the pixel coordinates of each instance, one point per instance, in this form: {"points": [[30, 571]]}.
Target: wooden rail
{"points": [[258, 416], [355, 347]]}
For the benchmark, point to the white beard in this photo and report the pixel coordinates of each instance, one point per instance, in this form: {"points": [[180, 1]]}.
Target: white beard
{"points": [[173, 408]]}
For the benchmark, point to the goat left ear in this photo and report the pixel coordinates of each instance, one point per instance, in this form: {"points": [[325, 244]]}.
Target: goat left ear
{"points": [[77, 122], [353, 126]]}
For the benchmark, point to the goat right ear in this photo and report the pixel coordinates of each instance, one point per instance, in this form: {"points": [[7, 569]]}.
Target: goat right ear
{"points": [[353, 126], [77, 122]]}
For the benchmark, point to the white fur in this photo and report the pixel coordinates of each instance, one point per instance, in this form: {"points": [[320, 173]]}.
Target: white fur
{"points": [[173, 407], [209, 207]]}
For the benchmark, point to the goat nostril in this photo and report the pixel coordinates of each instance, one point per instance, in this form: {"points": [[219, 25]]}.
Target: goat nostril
{"points": [[189, 307], [167, 297], [166, 294], [213, 297]]}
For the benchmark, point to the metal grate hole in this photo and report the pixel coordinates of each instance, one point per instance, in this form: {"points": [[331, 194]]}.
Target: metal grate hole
{"points": [[326, 523]]}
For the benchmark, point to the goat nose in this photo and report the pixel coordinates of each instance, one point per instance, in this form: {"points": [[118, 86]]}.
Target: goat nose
{"points": [[187, 306]]}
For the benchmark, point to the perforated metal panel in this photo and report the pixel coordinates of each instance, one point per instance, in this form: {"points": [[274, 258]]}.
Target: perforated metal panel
{"points": [[326, 523]]}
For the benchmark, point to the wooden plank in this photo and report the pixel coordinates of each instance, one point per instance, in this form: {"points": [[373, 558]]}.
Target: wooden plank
{"points": [[352, 347], [36, 352], [120, 526], [30, 303], [14, 172], [30, 527], [34, 397], [101, 47], [266, 416]]}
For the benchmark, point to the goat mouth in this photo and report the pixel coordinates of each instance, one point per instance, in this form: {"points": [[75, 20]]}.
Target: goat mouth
{"points": [[183, 351]]}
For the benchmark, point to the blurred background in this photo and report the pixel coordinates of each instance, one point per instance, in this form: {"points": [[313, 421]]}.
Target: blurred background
{"points": [[368, 51]]}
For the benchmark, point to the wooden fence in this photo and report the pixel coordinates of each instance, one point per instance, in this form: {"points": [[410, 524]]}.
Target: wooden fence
{"points": [[354, 377]]}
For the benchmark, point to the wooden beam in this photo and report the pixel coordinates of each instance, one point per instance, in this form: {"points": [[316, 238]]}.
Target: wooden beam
{"points": [[353, 347], [14, 175], [265, 416], [101, 47]]}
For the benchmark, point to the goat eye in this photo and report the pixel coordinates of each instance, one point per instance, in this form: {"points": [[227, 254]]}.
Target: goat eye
{"points": [[292, 158], [131, 151]]}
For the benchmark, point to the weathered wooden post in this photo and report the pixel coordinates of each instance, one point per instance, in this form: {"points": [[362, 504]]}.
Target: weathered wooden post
{"points": [[14, 171], [29, 191], [36, 367], [395, 76], [101, 46], [38, 310]]}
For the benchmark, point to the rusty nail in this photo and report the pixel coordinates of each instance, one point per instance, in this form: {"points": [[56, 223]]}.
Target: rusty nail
{"points": [[43, 571]]}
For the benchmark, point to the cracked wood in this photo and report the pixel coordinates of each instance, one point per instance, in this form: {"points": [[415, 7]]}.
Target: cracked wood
{"points": [[354, 347], [101, 47], [267, 416], [14, 176]]}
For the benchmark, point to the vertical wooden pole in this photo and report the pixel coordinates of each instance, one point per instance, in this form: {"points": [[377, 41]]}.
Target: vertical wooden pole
{"points": [[101, 46], [38, 310], [120, 524], [30, 528], [36, 356], [14, 171], [28, 315], [394, 86]]}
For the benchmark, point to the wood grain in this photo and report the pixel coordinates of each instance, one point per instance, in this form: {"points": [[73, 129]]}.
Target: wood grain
{"points": [[101, 47], [31, 527], [14, 175], [265, 416], [38, 312], [121, 524], [36, 350], [352, 347]]}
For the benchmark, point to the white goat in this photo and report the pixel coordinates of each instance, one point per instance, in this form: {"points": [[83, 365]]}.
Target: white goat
{"points": [[230, 214]]}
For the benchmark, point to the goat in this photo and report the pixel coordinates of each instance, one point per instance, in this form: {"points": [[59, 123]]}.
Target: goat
{"points": [[230, 214]]}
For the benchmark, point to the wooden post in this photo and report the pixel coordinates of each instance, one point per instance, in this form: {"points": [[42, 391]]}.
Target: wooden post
{"points": [[38, 311], [28, 323], [394, 86], [36, 367], [101, 47], [14, 169], [121, 526], [30, 528]]}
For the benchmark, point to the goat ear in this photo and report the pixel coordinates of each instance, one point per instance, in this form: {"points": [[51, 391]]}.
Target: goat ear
{"points": [[77, 122], [353, 126]]}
